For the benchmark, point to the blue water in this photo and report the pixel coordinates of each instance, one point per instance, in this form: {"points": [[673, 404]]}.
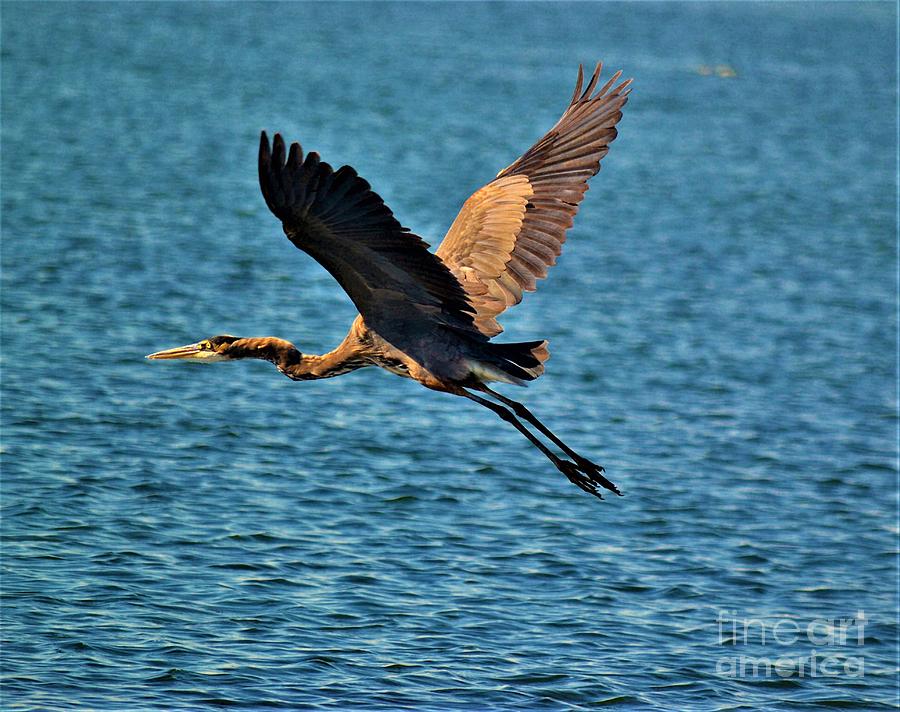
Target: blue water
{"points": [[723, 325]]}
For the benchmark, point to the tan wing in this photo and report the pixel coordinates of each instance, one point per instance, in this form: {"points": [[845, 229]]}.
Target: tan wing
{"points": [[510, 231]]}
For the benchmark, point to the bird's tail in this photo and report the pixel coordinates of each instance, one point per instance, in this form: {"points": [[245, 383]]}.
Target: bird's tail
{"points": [[524, 360]]}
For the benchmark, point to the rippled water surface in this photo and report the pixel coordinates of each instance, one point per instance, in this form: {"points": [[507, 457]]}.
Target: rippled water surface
{"points": [[723, 328]]}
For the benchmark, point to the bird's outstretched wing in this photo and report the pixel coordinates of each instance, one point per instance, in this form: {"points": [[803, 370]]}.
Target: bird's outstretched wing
{"points": [[510, 232], [335, 217]]}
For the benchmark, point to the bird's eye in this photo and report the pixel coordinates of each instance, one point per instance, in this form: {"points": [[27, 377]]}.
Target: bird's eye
{"points": [[205, 345]]}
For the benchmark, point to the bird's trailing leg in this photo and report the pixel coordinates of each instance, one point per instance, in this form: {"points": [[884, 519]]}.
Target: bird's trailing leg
{"points": [[591, 468], [584, 479]]}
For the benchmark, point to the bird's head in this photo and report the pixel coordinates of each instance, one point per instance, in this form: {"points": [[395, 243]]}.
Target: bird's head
{"points": [[232, 348], [215, 348]]}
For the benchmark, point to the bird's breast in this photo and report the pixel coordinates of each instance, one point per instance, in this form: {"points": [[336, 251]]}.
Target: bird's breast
{"points": [[395, 366]]}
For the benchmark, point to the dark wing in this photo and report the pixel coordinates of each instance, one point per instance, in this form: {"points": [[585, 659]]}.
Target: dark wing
{"points": [[336, 218], [510, 231]]}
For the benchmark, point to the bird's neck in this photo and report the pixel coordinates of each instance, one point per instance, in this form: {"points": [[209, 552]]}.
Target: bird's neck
{"points": [[294, 364]]}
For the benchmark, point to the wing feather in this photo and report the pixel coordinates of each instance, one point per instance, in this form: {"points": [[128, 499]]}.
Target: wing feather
{"points": [[337, 219], [521, 217]]}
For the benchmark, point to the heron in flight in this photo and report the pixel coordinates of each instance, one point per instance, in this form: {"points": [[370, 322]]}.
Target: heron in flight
{"points": [[431, 316]]}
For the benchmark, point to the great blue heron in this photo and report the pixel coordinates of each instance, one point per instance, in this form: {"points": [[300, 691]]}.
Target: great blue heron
{"points": [[431, 316]]}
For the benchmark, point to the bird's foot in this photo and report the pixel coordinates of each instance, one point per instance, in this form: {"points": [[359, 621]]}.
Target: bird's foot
{"points": [[586, 475], [576, 477], [595, 472]]}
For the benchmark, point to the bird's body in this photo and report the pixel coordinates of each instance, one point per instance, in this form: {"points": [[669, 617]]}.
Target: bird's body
{"points": [[431, 316]]}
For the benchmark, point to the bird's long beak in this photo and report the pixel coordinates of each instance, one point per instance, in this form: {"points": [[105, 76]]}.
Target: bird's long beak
{"points": [[189, 351]]}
